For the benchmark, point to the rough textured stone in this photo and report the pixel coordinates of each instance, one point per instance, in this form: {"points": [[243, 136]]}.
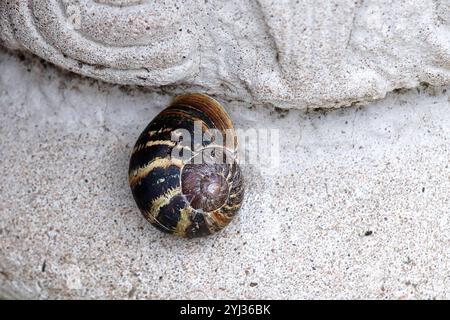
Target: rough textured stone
{"points": [[314, 53], [358, 208]]}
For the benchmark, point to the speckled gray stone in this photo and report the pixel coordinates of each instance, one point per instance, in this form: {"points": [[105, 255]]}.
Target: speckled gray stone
{"points": [[359, 207], [298, 54]]}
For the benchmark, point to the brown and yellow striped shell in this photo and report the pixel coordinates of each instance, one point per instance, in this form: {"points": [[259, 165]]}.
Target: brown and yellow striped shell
{"points": [[179, 195]]}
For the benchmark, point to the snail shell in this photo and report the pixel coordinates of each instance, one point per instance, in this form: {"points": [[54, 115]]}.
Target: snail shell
{"points": [[181, 195]]}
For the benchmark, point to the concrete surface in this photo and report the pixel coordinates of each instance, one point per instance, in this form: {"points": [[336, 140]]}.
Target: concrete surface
{"points": [[359, 207], [288, 53]]}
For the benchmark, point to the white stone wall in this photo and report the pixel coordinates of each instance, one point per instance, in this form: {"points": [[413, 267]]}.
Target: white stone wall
{"points": [[358, 207], [310, 53]]}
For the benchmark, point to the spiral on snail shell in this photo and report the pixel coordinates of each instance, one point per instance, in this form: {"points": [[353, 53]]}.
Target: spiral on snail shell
{"points": [[184, 186]]}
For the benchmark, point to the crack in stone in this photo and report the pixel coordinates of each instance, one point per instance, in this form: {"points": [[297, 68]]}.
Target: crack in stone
{"points": [[355, 13], [268, 31]]}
